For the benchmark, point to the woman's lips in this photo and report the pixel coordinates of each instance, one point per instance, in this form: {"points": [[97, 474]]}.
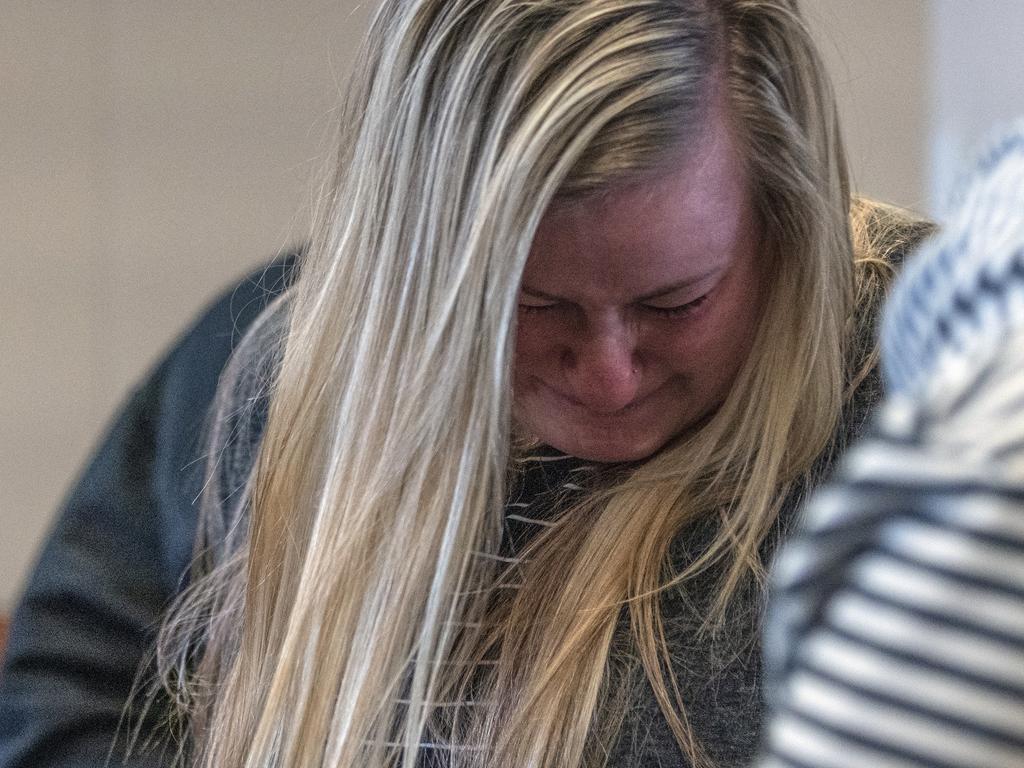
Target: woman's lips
{"points": [[574, 403]]}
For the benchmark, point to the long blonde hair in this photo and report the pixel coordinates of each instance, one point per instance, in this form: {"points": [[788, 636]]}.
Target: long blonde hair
{"points": [[354, 585]]}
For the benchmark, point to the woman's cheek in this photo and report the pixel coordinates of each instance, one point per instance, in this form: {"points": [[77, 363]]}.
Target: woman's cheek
{"points": [[685, 343], [531, 345]]}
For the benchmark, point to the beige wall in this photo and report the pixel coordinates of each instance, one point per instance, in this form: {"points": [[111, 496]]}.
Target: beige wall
{"points": [[151, 152], [878, 54]]}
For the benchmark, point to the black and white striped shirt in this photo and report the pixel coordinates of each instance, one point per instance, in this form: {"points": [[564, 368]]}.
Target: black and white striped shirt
{"points": [[896, 633]]}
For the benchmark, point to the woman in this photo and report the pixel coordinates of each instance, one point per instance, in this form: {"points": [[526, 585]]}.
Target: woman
{"points": [[578, 322], [583, 225]]}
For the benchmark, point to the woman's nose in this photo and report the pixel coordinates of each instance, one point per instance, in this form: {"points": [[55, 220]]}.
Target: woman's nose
{"points": [[602, 368]]}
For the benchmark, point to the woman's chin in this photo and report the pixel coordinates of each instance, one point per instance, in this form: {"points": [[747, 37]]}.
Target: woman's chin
{"points": [[616, 449]]}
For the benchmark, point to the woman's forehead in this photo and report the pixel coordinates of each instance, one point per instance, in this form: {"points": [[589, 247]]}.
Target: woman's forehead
{"points": [[681, 224]]}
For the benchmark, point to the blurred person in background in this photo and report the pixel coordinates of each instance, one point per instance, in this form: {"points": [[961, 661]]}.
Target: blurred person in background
{"points": [[896, 631]]}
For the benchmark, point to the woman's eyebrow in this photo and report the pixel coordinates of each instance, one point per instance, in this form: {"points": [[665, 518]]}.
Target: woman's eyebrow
{"points": [[656, 294]]}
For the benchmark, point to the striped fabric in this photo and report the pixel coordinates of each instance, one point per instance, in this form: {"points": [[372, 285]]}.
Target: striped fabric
{"points": [[895, 636]]}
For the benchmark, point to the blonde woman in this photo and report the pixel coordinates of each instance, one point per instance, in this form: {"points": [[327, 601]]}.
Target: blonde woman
{"points": [[494, 482]]}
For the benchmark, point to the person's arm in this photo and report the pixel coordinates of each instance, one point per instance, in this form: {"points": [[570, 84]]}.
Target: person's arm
{"points": [[119, 552]]}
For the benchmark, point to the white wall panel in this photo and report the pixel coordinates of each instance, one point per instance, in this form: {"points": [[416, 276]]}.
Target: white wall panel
{"points": [[977, 83], [877, 53]]}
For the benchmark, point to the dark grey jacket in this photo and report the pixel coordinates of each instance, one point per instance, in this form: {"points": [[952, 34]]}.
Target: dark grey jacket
{"points": [[119, 551]]}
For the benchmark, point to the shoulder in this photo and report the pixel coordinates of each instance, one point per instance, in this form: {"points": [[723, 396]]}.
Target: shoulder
{"points": [[181, 391], [190, 371], [884, 237], [119, 548], [199, 354], [886, 233]]}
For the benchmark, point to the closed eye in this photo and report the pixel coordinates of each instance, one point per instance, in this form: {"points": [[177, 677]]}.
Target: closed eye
{"points": [[680, 311], [672, 313], [528, 308]]}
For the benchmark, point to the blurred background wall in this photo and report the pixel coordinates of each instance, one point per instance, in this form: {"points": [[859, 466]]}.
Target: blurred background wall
{"points": [[151, 153]]}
